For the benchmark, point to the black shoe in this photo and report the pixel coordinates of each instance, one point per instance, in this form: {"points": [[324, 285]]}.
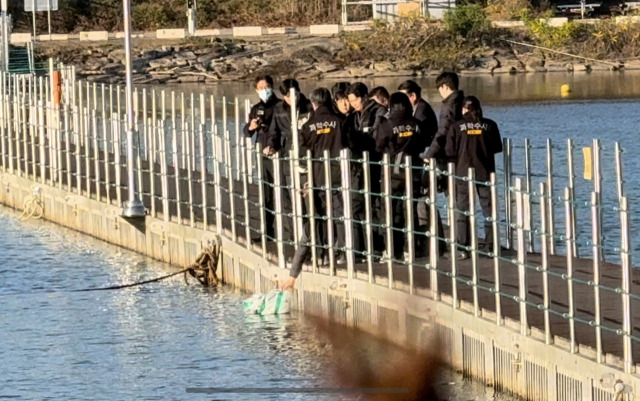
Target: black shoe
{"points": [[462, 255]]}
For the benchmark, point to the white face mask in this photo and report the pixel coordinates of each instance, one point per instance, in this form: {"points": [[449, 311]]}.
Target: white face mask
{"points": [[265, 94]]}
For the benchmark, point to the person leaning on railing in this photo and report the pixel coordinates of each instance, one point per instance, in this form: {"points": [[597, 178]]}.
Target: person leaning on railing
{"points": [[257, 129], [473, 142], [325, 130]]}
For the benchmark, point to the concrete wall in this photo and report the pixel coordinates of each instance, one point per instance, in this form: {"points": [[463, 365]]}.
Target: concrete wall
{"points": [[494, 353]]}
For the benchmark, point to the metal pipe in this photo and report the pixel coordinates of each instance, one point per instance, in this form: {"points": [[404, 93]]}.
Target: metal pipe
{"points": [[192, 113], [527, 194], [597, 185], [496, 246], [451, 200], [163, 170], [569, 275], [245, 192], [294, 212], [345, 164], [176, 163], [192, 220], [507, 189], [522, 258], [230, 186], [152, 167], [134, 207], [277, 178], [96, 150], [3, 106], [549, 199], [410, 238], [388, 213], [329, 212], [261, 201], [434, 246], [368, 214], [67, 146], [41, 137], [619, 180], [183, 132], [312, 213], [571, 174], [625, 255], [237, 134], [87, 151], [473, 239], [545, 239], [203, 173], [107, 157], [117, 146], [595, 240], [217, 177]]}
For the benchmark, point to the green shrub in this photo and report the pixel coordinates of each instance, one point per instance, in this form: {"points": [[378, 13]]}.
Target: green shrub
{"points": [[549, 36], [467, 20]]}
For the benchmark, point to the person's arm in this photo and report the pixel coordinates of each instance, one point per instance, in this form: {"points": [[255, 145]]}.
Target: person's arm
{"points": [[451, 147], [496, 139], [381, 137], [252, 125], [273, 135], [440, 139]]}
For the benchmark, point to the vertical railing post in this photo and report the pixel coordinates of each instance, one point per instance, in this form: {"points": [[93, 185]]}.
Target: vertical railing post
{"points": [[625, 255], [597, 185], [619, 180], [345, 167], [245, 190], [473, 239], [571, 174], [329, 213], [164, 183], [312, 212], [388, 213], [522, 257], [545, 240], [96, 152], [203, 172], [366, 168], [496, 247], [527, 194], [261, 201], [596, 247], [116, 146], [231, 187], [507, 190], [453, 249], [549, 199], [409, 226], [570, 239], [217, 176], [277, 178], [434, 240], [189, 159]]}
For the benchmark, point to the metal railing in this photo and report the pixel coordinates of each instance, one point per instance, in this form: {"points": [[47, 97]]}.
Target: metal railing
{"points": [[194, 167]]}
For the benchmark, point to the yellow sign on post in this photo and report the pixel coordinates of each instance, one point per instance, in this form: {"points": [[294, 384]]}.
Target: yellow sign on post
{"points": [[588, 169]]}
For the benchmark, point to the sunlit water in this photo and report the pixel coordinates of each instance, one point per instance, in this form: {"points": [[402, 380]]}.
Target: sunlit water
{"points": [[149, 343]]}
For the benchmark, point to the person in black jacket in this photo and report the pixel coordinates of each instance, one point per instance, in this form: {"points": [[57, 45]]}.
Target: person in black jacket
{"points": [[473, 142], [280, 139], [257, 128], [400, 136], [422, 111], [340, 100], [323, 131], [361, 123]]}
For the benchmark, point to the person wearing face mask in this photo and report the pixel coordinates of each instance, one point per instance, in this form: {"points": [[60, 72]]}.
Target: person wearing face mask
{"points": [[280, 139], [257, 128]]}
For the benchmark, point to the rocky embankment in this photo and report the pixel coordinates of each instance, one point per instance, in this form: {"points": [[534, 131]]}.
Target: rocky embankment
{"points": [[303, 58]]}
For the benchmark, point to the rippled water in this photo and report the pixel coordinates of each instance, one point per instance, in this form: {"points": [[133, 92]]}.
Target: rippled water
{"points": [[150, 342]]}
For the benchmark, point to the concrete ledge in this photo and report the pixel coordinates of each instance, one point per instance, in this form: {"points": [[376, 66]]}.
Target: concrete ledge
{"points": [[54, 37], [207, 32], [20, 37], [136, 35], [283, 31], [627, 19], [358, 27], [507, 24], [324, 29], [557, 22], [94, 36], [171, 34], [247, 31]]}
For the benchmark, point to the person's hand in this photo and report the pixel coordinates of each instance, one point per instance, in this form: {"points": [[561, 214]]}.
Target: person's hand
{"points": [[304, 190], [288, 283], [426, 161], [254, 124], [267, 150]]}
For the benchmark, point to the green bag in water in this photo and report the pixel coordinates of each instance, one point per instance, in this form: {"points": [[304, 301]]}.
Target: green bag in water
{"points": [[276, 302]]}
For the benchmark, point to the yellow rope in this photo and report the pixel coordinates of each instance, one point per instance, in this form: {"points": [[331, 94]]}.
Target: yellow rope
{"points": [[32, 208], [617, 65]]}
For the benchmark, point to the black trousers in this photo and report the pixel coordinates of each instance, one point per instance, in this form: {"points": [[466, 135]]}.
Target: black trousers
{"points": [[269, 195], [462, 221]]}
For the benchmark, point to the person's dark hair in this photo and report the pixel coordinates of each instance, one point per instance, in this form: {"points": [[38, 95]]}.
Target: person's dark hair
{"points": [[474, 110], [380, 92], [410, 87], [339, 95], [286, 86], [400, 105], [448, 78], [321, 97], [339, 87], [263, 78], [358, 89]]}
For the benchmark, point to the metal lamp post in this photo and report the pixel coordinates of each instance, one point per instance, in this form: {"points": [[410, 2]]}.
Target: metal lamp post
{"points": [[133, 207]]}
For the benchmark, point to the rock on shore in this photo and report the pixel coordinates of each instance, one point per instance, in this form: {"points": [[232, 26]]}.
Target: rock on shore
{"points": [[215, 60]]}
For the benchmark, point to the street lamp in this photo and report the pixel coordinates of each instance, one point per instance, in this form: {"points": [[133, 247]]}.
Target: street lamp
{"points": [[133, 207]]}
